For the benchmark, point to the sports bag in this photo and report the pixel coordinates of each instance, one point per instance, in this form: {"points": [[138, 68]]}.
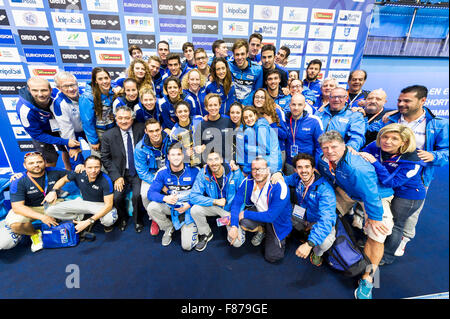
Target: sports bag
{"points": [[63, 235], [345, 256]]}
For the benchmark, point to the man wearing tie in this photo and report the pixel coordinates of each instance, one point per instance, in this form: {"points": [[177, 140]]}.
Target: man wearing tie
{"points": [[117, 157]]}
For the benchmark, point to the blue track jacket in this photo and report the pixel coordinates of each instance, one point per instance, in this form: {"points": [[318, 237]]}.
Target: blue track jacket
{"points": [[246, 81]]}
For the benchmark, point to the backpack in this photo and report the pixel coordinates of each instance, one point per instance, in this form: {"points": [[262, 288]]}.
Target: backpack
{"points": [[63, 235], [345, 256]]}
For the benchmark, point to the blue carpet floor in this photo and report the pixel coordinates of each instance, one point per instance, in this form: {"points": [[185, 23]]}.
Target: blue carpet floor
{"points": [[130, 265]]}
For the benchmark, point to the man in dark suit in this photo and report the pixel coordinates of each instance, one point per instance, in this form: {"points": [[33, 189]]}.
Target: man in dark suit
{"points": [[117, 157]]}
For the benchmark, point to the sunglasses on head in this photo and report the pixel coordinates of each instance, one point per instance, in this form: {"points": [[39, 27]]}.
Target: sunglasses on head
{"points": [[32, 153]]}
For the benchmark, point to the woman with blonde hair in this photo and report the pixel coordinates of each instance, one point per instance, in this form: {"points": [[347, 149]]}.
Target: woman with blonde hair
{"points": [[193, 84], [395, 159]]}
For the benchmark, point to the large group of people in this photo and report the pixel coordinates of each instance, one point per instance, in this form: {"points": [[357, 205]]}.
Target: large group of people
{"points": [[237, 137]]}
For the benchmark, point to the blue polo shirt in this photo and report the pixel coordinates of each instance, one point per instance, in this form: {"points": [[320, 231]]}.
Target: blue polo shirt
{"points": [[23, 189], [95, 191]]}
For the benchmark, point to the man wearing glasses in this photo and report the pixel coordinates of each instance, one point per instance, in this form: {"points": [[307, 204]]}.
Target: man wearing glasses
{"points": [[339, 117], [201, 60], [266, 205], [27, 198]]}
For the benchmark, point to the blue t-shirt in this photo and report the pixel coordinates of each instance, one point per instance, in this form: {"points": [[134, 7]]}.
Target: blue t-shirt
{"points": [[95, 191]]}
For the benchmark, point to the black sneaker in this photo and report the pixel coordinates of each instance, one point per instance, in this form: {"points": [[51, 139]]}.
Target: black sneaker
{"points": [[203, 241]]}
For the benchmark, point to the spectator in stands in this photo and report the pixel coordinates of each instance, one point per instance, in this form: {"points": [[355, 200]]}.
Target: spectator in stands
{"points": [[163, 51], [178, 178], [259, 204], [282, 56], [247, 75], [255, 43], [96, 108], [356, 95], [117, 155], [395, 159], [150, 155], [213, 193], [355, 180], [268, 63], [222, 83], [154, 64], [96, 199], [27, 195], [35, 112], [193, 85], [338, 116], [312, 73], [201, 60], [323, 100], [314, 210], [188, 53]]}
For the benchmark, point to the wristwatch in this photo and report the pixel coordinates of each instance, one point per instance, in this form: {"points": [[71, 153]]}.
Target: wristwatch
{"points": [[91, 220], [311, 244]]}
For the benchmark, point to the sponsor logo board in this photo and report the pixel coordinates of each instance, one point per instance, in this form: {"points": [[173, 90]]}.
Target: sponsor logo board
{"points": [[107, 40], [34, 37], [236, 28], [204, 9], [104, 22], [318, 47], [205, 26], [349, 17], [346, 33], [110, 57], [172, 7], [32, 19], [293, 30], [139, 23], [14, 72], [322, 15], [75, 56], [236, 11], [265, 29], [172, 25], [320, 32], [295, 14], [145, 41], [347, 48], [72, 38], [138, 6], [266, 12]]}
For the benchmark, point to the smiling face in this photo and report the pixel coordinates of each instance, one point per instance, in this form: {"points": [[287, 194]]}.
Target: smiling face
{"points": [[260, 171], [213, 108], [327, 86], [173, 90], [201, 59], [259, 98], [249, 118], [174, 67], [408, 104], [103, 81], [221, 70], [34, 164], [175, 158], [295, 87], [154, 67], [93, 168], [254, 46], [312, 72], [189, 54], [183, 113], [333, 150], [194, 81], [304, 169], [222, 50], [268, 59], [375, 101], [154, 132], [338, 98], [40, 91], [240, 57], [356, 82], [69, 87], [136, 54], [163, 51], [214, 162], [139, 71], [131, 91], [148, 101], [273, 81], [235, 114], [391, 142], [124, 119]]}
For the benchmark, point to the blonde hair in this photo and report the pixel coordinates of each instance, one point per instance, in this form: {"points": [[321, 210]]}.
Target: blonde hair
{"points": [[146, 89], [406, 134], [184, 81], [210, 96]]}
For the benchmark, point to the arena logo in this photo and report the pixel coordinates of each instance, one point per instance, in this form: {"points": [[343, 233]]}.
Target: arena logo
{"points": [[40, 55], [102, 5], [44, 71], [318, 47], [109, 57], [34, 19], [172, 7], [65, 4], [294, 46], [25, 146], [27, 3], [295, 14], [104, 22], [266, 12], [70, 38], [9, 54], [235, 28], [143, 24], [266, 29], [138, 6], [115, 72], [75, 56], [3, 17], [33, 37], [81, 73], [236, 11], [107, 40], [68, 20], [204, 9], [11, 88], [6, 37], [172, 25], [205, 26], [14, 72], [144, 41], [349, 17], [322, 16], [293, 30]]}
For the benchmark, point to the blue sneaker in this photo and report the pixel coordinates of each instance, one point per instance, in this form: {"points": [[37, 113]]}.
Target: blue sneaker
{"points": [[364, 290]]}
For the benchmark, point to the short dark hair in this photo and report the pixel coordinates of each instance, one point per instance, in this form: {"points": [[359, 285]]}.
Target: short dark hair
{"points": [[216, 44], [304, 156], [132, 48], [187, 45], [165, 42], [351, 74], [151, 121], [420, 90], [315, 61], [270, 72], [285, 48], [176, 145], [173, 56], [239, 44], [171, 78], [269, 47], [256, 35], [180, 103], [93, 157]]}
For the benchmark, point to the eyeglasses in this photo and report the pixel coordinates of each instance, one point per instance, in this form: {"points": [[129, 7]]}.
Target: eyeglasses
{"points": [[259, 170], [339, 97], [68, 86], [31, 154]]}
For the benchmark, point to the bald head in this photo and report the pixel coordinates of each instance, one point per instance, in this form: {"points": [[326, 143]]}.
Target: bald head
{"points": [[40, 90], [375, 101], [297, 105]]}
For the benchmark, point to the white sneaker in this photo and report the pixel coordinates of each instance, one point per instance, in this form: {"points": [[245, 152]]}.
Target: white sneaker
{"points": [[401, 248], [37, 243], [167, 237]]}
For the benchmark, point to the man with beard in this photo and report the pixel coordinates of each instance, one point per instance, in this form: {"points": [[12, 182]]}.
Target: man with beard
{"points": [[312, 73]]}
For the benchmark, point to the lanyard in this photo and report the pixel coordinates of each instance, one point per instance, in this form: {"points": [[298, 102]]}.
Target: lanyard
{"points": [[351, 102], [304, 194], [293, 131], [223, 184], [417, 124], [381, 157], [373, 117], [43, 191]]}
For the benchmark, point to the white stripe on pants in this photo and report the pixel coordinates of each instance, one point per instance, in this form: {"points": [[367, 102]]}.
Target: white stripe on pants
{"points": [[77, 208]]}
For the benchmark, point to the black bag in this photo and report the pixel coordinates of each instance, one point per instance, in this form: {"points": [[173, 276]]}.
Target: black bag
{"points": [[345, 256]]}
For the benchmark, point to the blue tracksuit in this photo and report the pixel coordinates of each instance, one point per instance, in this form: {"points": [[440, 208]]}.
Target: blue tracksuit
{"points": [[436, 140], [227, 100], [167, 112], [158, 85], [205, 188], [148, 159], [279, 207], [313, 86], [320, 204], [179, 185], [358, 179], [246, 81], [350, 124], [307, 130], [199, 101], [142, 114], [401, 172]]}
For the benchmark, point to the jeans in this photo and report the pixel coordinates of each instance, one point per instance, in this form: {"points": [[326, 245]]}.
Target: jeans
{"points": [[402, 210]]}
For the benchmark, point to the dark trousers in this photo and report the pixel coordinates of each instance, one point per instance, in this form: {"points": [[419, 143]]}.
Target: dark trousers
{"points": [[132, 183], [274, 248]]}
